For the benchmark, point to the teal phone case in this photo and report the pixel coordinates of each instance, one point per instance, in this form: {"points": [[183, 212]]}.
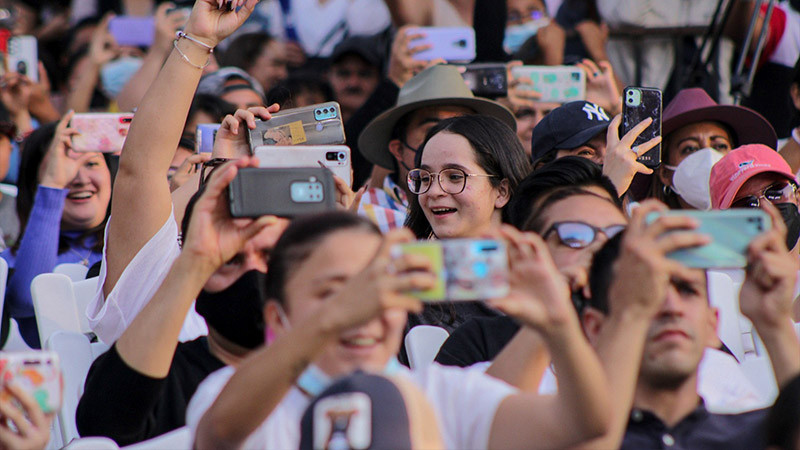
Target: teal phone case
{"points": [[731, 231]]}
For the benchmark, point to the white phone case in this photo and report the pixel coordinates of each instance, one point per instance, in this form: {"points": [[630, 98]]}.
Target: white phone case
{"points": [[334, 157], [23, 56]]}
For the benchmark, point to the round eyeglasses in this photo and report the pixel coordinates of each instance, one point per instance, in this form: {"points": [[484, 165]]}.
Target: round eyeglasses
{"points": [[579, 234], [777, 193], [452, 181]]}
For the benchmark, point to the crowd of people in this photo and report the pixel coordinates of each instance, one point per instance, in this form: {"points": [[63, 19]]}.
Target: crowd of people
{"points": [[287, 332]]}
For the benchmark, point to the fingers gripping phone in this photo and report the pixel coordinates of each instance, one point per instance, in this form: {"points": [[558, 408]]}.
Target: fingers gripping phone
{"points": [[466, 269], [100, 132], [319, 124], [291, 192], [37, 372], [639, 104], [453, 44], [731, 231], [333, 157]]}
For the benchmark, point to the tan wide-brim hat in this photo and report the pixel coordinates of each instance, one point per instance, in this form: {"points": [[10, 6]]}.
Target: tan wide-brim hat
{"points": [[438, 85]]}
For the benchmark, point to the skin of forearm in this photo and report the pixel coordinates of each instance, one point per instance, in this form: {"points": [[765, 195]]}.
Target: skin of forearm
{"points": [[791, 153], [80, 98], [259, 385], [23, 122], [148, 344], [620, 346], [783, 348], [522, 361]]}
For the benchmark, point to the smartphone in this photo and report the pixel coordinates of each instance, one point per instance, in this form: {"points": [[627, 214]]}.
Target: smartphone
{"points": [[205, 135], [641, 103], [333, 157], [731, 231], [488, 80], [289, 192], [133, 31], [453, 44], [557, 84], [319, 124], [100, 132], [23, 56], [37, 372], [466, 269]]}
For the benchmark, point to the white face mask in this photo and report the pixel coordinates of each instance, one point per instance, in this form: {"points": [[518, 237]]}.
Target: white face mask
{"points": [[691, 178]]}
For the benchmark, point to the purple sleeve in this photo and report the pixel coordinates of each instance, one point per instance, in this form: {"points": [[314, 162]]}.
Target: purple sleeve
{"points": [[38, 249]]}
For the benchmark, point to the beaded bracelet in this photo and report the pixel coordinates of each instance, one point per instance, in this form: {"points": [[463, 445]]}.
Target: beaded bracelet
{"points": [[186, 58], [181, 35]]}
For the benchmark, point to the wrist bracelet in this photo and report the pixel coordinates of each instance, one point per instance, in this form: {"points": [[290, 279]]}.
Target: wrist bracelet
{"points": [[186, 58], [181, 35], [796, 136]]}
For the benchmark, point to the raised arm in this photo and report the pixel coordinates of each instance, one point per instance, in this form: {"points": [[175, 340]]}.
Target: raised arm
{"points": [[767, 295], [541, 301], [166, 25], [141, 202], [411, 12]]}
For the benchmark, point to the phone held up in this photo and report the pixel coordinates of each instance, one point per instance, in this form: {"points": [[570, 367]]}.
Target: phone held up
{"points": [[466, 269], [336, 158], [489, 80], [319, 124], [284, 192], [100, 132], [639, 104], [731, 231], [452, 44], [37, 372]]}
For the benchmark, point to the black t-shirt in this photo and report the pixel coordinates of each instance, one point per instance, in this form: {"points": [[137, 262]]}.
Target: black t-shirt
{"points": [[477, 340], [126, 406]]}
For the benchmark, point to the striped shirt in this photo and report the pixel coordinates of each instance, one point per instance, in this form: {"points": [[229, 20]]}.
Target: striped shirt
{"points": [[387, 207]]}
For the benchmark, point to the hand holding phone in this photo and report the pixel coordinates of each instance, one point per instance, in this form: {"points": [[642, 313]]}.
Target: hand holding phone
{"points": [[319, 124], [100, 132], [488, 80], [35, 372], [641, 103], [290, 192], [466, 269], [558, 84]]}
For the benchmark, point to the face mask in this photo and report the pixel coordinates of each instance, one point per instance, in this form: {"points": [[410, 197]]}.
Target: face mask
{"points": [[115, 74], [791, 217], [516, 35], [236, 312], [691, 178]]}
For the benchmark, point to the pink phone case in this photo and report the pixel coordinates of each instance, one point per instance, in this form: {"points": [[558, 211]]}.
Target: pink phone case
{"points": [[100, 132]]}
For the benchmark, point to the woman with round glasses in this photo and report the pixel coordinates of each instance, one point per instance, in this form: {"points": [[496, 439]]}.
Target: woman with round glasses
{"points": [[467, 169]]}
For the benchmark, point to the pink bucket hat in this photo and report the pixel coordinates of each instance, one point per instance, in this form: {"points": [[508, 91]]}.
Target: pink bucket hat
{"points": [[738, 166]]}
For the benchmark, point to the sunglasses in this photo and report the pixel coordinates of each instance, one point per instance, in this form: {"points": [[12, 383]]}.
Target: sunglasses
{"points": [[783, 192], [579, 234]]}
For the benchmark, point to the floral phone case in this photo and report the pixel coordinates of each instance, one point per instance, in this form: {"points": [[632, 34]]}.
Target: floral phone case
{"points": [[37, 372], [100, 132]]}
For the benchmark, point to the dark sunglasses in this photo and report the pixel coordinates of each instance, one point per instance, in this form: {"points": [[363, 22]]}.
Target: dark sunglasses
{"points": [[579, 234], [211, 164], [783, 192]]}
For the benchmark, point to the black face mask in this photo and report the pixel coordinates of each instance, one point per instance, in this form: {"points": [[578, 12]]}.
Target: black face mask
{"points": [[236, 312], [791, 217]]}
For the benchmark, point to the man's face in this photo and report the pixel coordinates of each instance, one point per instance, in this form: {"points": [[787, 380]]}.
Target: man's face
{"points": [[677, 337], [419, 123], [595, 210], [528, 118], [353, 80], [594, 150], [243, 98]]}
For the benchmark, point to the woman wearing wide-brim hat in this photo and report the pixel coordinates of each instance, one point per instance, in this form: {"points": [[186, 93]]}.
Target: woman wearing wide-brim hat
{"points": [[693, 121]]}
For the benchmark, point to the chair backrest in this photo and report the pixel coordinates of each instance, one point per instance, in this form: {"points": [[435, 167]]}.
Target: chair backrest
{"points": [[180, 438], [75, 271], [92, 443], [14, 341], [722, 295], [75, 354], [758, 370], [423, 343], [60, 305]]}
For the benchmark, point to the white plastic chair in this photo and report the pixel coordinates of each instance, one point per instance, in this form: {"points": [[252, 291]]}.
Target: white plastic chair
{"points": [[76, 355], [14, 341], [60, 305], [75, 271], [423, 343], [758, 370], [177, 439], [723, 296]]}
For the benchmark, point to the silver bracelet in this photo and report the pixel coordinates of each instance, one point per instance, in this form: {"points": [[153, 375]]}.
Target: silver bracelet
{"points": [[181, 35], [186, 58]]}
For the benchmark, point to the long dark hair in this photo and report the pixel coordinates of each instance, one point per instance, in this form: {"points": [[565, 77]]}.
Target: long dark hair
{"points": [[33, 151], [497, 150], [298, 242], [245, 50]]}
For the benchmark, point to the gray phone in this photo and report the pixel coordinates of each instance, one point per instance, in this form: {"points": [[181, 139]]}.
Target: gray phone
{"points": [[289, 192]]}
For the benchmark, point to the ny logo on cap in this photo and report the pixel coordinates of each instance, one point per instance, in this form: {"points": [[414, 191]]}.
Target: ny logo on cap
{"points": [[593, 110]]}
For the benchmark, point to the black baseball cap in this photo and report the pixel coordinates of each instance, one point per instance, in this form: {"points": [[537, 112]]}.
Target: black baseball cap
{"points": [[367, 47], [568, 126]]}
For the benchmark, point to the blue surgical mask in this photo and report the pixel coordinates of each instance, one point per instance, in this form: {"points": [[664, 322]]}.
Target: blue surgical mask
{"points": [[115, 74], [313, 380], [516, 35]]}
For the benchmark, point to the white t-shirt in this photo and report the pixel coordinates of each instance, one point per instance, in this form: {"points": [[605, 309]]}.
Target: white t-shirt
{"points": [[465, 402], [110, 317]]}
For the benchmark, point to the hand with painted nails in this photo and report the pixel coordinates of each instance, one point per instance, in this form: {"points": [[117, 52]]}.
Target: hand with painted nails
{"points": [[231, 139], [211, 21]]}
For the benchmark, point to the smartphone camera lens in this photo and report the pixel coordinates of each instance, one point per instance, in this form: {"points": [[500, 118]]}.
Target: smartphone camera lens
{"points": [[341, 156]]}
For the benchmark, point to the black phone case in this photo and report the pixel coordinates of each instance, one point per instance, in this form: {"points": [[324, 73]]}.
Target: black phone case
{"points": [[290, 192], [649, 106], [488, 80]]}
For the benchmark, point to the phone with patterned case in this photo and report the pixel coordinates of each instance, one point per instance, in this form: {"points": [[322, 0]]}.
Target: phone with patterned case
{"points": [[466, 269], [639, 104], [557, 84], [319, 124], [37, 372], [100, 132]]}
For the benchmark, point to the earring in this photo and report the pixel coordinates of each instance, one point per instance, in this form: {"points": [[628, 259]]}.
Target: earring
{"points": [[667, 191]]}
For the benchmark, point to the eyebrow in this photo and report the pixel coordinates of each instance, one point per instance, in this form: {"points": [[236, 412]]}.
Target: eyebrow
{"points": [[447, 166]]}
